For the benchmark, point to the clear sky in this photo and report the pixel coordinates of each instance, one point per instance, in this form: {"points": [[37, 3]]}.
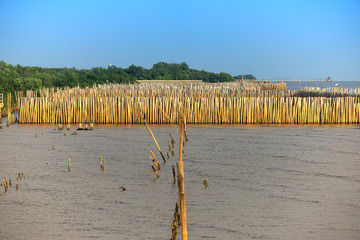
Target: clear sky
{"points": [[270, 39]]}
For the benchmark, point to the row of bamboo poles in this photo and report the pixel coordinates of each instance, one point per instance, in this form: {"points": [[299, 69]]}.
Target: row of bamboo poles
{"points": [[163, 89], [266, 85], [156, 89], [203, 110], [349, 91]]}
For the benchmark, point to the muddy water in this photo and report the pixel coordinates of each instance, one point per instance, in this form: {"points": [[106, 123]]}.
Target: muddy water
{"points": [[265, 182]]}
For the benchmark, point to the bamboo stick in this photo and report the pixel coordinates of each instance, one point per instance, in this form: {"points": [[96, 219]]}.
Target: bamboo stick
{"points": [[102, 164], [157, 164], [205, 182], [152, 135], [180, 166], [154, 157], [157, 174], [5, 184], [174, 175], [170, 148], [172, 140], [202, 103]]}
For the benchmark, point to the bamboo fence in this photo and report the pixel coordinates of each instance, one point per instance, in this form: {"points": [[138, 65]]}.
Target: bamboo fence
{"points": [[352, 91], [231, 103]]}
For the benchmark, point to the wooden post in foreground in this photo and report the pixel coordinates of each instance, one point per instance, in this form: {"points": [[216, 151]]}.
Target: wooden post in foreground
{"points": [[180, 166]]}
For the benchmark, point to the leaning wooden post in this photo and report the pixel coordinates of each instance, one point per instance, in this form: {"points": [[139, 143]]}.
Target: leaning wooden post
{"points": [[154, 157], [157, 174], [172, 140], [155, 162], [172, 152], [180, 166], [162, 155]]}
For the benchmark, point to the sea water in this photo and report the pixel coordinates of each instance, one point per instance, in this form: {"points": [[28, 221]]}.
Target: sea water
{"points": [[264, 182]]}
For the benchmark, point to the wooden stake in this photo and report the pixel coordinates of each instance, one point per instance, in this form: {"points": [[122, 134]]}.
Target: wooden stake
{"points": [[174, 230], [174, 174], [169, 145], [162, 155], [180, 166], [177, 213], [5, 184], [205, 182], [186, 138], [172, 152], [102, 164], [69, 165], [157, 174], [154, 157], [172, 139], [157, 164], [9, 109]]}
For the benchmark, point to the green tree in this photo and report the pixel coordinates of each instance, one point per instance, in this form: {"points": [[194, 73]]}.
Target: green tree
{"points": [[246, 77]]}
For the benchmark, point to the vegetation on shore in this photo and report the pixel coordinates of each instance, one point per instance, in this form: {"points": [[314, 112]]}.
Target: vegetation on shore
{"points": [[246, 76], [22, 78]]}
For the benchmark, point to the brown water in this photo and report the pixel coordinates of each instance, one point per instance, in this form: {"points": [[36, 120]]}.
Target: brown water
{"points": [[265, 182]]}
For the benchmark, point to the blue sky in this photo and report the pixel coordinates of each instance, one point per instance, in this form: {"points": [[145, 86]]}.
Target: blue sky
{"points": [[269, 39]]}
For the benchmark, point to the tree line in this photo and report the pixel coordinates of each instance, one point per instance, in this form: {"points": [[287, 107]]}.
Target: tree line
{"points": [[22, 78], [246, 77]]}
